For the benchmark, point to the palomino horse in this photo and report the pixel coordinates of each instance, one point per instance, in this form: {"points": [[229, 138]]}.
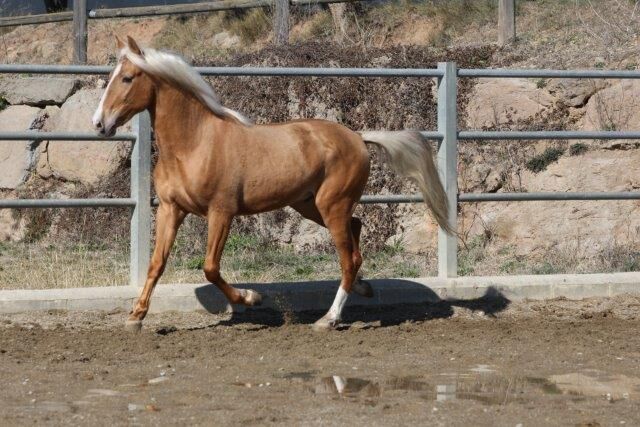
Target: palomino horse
{"points": [[215, 163]]}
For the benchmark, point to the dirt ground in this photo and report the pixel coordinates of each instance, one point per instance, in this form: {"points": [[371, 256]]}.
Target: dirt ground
{"points": [[538, 363]]}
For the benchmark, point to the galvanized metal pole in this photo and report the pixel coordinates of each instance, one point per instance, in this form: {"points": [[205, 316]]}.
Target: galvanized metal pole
{"points": [[506, 22], [281, 22], [141, 193], [448, 165], [80, 31]]}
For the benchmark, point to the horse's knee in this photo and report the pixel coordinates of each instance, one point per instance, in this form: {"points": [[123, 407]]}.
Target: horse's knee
{"points": [[212, 272]]}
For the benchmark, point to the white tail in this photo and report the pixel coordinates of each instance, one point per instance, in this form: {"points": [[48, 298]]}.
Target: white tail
{"points": [[409, 154]]}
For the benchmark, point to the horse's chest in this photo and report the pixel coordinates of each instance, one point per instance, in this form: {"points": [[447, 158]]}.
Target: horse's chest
{"points": [[190, 188]]}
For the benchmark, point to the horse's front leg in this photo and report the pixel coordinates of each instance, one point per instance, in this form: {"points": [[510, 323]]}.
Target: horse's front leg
{"points": [[168, 220], [219, 225]]}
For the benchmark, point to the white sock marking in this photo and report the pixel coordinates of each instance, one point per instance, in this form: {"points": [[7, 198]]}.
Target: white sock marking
{"points": [[335, 312], [340, 383]]}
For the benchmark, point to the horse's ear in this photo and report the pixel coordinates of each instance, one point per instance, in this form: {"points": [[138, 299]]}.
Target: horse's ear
{"points": [[119, 43], [134, 46]]}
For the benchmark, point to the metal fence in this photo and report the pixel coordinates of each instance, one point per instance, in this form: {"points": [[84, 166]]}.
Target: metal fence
{"points": [[80, 15], [447, 135]]}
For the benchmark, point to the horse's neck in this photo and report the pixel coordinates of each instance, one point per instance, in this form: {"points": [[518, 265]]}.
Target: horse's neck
{"points": [[177, 120]]}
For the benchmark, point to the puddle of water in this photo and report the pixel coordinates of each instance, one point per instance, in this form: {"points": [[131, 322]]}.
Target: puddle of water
{"points": [[482, 369], [594, 383], [102, 392], [304, 376], [481, 383], [350, 387], [50, 406]]}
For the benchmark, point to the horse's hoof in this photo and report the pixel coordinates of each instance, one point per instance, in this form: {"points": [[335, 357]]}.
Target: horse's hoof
{"points": [[252, 298], [362, 288], [133, 326], [325, 324]]}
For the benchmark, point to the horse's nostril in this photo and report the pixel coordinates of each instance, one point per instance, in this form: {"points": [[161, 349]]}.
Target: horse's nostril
{"points": [[99, 125]]}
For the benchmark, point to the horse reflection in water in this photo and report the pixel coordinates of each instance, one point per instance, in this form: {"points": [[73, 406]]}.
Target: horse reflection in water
{"points": [[215, 163]]}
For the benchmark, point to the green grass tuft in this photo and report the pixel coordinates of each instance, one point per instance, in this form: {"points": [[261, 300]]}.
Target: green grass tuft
{"points": [[578, 149], [540, 162]]}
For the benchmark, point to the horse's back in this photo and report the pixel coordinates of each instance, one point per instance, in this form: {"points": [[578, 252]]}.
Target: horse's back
{"points": [[294, 159], [331, 140]]}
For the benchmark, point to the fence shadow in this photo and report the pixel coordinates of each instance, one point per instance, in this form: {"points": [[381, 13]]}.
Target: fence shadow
{"points": [[395, 301]]}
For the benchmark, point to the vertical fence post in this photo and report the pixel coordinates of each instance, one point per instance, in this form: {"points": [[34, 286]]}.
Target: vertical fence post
{"points": [[80, 31], [281, 22], [447, 165], [141, 193], [506, 22]]}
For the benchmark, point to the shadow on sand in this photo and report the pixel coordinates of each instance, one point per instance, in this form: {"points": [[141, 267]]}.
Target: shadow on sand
{"points": [[395, 301]]}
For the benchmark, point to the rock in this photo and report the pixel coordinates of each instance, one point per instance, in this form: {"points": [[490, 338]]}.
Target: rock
{"points": [[575, 92], [11, 227], [288, 227], [582, 228], [503, 101], [225, 40], [85, 162], [614, 108], [308, 234], [16, 157], [417, 230], [37, 91]]}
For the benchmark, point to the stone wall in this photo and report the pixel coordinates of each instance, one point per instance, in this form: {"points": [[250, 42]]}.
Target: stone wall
{"points": [[50, 104]]}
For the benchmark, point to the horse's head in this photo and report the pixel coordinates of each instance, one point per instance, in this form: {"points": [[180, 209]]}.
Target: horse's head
{"points": [[129, 91]]}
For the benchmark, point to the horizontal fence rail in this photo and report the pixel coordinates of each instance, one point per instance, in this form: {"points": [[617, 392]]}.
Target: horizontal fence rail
{"points": [[65, 203], [235, 71], [180, 9], [565, 74], [80, 16], [544, 196], [160, 10], [334, 72], [12, 21], [63, 136], [367, 199], [447, 135], [548, 134]]}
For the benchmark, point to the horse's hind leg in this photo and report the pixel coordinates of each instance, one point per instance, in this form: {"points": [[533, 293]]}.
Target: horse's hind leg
{"points": [[309, 210], [337, 217], [168, 220], [360, 286], [219, 225]]}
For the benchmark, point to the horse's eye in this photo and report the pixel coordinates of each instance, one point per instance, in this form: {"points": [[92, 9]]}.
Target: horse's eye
{"points": [[127, 79]]}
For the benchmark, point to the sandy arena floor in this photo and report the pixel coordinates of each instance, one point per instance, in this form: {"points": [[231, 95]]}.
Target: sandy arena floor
{"points": [[532, 363]]}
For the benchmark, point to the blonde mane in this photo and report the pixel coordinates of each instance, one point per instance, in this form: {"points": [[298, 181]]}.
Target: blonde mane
{"points": [[176, 71]]}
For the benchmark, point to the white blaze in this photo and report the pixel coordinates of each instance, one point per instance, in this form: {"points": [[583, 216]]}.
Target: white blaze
{"points": [[97, 116]]}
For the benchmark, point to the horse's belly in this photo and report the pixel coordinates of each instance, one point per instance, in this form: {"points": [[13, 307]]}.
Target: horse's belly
{"points": [[268, 196]]}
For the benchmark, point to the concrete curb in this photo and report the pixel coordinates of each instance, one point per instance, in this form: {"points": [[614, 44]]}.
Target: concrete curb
{"points": [[319, 295]]}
